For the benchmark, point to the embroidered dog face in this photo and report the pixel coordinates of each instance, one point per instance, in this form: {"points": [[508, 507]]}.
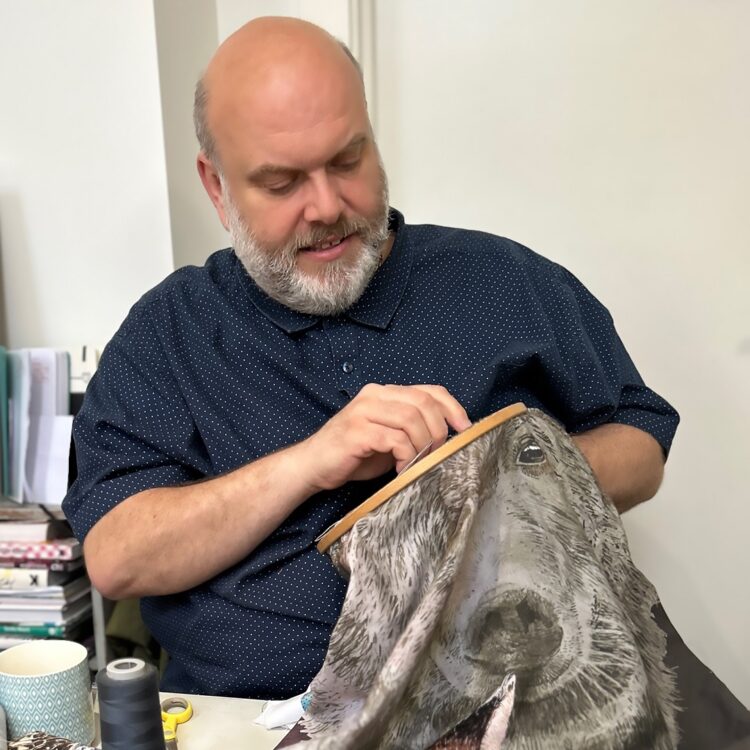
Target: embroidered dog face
{"points": [[503, 559], [555, 616]]}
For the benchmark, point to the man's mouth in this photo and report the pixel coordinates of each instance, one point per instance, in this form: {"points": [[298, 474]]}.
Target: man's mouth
{"points": [[325, 244], [329, 249]]}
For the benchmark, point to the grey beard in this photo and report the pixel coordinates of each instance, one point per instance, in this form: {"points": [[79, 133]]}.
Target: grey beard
{"points": [[337, 286]]}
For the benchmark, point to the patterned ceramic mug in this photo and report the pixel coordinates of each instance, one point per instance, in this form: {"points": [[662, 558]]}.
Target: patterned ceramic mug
{"points": [[45, 685]]}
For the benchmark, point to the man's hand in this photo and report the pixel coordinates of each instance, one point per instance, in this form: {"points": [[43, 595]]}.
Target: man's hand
{"points": [[384, 426]]}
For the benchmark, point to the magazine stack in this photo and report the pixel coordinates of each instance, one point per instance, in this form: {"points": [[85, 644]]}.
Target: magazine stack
{"points": [[44, 589]]}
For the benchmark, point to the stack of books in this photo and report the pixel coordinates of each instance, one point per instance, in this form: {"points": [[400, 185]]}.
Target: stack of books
{"points": [[44, 589]]}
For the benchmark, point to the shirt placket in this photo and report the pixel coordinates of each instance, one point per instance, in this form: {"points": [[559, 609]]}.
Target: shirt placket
{"points": [[347, 367]]}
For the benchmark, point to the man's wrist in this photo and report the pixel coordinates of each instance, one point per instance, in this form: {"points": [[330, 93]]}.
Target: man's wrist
{"points": [[294, 469]]}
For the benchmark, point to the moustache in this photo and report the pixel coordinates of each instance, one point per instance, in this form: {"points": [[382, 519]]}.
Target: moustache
{"points": [[342, 228]]}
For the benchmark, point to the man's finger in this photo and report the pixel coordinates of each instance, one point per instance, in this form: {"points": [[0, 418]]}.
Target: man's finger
{"points": [[453, 413], [393, 441], [404, 415]]}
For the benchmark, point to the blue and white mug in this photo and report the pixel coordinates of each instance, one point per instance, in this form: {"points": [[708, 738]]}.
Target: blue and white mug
{"points": [[46, 686]]}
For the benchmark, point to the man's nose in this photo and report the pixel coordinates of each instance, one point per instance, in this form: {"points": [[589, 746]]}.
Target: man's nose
{"points": [[323, 202]]}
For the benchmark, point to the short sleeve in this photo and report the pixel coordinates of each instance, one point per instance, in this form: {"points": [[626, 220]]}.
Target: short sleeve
{"points": [[134, 431], [594, 378]]}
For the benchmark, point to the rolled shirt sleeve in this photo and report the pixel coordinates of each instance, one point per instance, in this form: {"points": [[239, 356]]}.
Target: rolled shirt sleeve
{"points": [[592, 379], [134, 431]]}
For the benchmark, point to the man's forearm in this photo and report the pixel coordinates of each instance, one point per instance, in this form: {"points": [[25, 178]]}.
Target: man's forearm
{"points": [[628, 463], [169, 539]]}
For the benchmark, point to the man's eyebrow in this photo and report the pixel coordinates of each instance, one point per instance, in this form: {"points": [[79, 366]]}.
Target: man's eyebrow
{"points": [[268, 171], [356, 142]]}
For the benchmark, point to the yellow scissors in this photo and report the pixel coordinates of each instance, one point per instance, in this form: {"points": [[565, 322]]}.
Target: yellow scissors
{"points": [[174, 711]]}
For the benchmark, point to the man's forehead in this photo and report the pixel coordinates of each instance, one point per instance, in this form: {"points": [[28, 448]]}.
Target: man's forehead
{"points": [[284, 122], [289, 102]]}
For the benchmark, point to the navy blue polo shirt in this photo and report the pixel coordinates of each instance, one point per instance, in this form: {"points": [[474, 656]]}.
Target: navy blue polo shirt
{"points": [[208, 373]]}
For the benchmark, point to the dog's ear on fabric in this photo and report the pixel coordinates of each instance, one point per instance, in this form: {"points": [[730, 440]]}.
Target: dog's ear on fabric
{"points": [[338, 554]]}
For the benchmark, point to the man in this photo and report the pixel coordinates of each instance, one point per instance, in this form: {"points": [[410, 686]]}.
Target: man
{"points": [[245, 406]]}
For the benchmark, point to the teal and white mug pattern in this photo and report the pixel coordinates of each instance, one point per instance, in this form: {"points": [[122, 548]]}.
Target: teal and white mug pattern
{"points": [[46, 686]]}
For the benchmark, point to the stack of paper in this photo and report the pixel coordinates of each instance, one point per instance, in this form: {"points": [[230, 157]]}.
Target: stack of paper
{"points": [[4, 437], [39, 424], [19, 395]]}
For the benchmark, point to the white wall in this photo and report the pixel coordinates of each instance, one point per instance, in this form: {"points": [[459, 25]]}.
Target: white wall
{"points": [[187, 37], [613, 138], [84, 224], [99, 195]]}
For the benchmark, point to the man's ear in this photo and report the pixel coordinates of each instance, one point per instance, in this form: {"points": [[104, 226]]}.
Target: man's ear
{"points": [[210, 178]]}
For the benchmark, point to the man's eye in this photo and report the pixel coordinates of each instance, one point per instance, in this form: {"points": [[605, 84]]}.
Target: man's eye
{"points": [[280, 189], [346, 165]]}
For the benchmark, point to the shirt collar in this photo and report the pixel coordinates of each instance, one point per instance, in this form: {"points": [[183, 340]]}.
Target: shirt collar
{"points": [[377, 305]]}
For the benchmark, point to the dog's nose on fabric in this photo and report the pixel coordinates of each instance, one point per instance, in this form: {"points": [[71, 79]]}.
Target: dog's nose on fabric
{"points": [[519, 624]]}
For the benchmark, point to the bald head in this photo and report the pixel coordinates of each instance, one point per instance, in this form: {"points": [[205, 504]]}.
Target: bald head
{"points": [[270, 67]]}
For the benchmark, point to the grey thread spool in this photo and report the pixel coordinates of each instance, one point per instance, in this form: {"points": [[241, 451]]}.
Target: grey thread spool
{"points": [[129, 708]]}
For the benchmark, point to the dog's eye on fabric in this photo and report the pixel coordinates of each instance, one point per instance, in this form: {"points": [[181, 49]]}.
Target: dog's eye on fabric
{"points": [[531, 454]]}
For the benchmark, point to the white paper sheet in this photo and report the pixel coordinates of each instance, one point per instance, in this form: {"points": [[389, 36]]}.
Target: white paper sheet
{"points": [[47, 459], [278, 714]]}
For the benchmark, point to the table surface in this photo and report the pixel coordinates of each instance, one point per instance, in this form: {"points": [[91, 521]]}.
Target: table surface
{"points": [[221, 723]]}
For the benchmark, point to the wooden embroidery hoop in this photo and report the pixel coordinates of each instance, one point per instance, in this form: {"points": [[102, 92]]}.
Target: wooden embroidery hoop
{"points": [[338, 529]]}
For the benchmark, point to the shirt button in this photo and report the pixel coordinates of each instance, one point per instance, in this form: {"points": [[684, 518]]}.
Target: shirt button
{"points": [[347, 367]]}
